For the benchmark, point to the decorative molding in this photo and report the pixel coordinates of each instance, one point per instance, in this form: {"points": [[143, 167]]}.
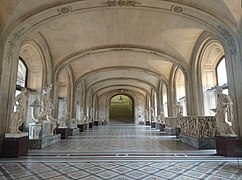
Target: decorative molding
{"points": [[65, 10], [177, 9], [16, 37], [229, 38], [121, 3]]}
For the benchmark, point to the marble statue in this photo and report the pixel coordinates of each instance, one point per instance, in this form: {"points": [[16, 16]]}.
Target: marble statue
{"points": [[45, 102], [223, 109], [91, 114], [83, 117], [18, 117], [35, 110], [162, 116], [179, 112], [49, 116], [146, 115], [152, 114], [64, 118]]}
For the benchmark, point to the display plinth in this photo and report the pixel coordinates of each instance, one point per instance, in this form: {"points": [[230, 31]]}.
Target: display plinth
{"points": [[178, 130], [153, 125], [44, 141], [90, 124], [73, 131], [200, 143], [41, 135], [85, 126], [228, 146], [63, 131], [96, 123], [15, 145], [162, 127], [170, 131], [81, 127]]}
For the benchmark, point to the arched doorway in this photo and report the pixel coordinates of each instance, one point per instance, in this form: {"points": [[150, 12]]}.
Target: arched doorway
{"points": [[121, 109]]}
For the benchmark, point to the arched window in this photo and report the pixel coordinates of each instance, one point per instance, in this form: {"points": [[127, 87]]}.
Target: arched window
{"points": [[221, 75], [180, 90], [165, 105], [22, 75]]}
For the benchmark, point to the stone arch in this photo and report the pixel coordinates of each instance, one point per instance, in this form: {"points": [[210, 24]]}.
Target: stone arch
{"points": [[130, 94], [33, 57]]}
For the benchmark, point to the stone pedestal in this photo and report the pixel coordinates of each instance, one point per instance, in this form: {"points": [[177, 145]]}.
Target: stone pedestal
{"points": [[45, 137], [170, 131], [85, 126], [162, 127], [153, 125], [34, 130], [81, 127], [15, 145], [234, 148], [63, 131], [200, 143], [178, 130], [90, 124], [44, 141], [147, 123], [228, 146], [95, 123], [73, 131]]}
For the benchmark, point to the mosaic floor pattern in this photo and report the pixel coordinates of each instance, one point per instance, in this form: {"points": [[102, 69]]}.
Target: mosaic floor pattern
{"points": [[121, 152]]}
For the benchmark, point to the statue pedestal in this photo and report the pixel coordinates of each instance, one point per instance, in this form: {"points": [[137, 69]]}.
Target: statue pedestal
{"points": [[162, 127], [90, 124], [200, 143], [85, 126], [81, 127], [15, 145], [73, 131], [34, 130], [63, 131], [170, 131], [147, 123], [153, 124], [230, 146], [96, 123], [46, 138]]}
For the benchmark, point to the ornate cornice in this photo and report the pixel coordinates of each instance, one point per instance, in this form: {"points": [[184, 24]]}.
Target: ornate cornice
{"points": [[16, 36], [121, 3], [229, 38]]}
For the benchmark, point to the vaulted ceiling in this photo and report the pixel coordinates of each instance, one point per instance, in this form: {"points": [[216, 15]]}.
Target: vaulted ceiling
{"points": [[131, 44]]}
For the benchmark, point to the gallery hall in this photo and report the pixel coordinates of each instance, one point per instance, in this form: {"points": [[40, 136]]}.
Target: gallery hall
{"points": [[121, 89]]}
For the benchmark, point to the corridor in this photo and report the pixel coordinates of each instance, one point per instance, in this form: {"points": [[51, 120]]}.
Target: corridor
{"points": [[123, 152]]}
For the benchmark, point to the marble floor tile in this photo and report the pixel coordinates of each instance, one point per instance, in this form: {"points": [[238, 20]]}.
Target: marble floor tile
{"points": [[121, 152]]}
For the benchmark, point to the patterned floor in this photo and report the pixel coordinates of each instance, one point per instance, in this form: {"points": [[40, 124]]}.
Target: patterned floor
{"points": [[121, 152]]}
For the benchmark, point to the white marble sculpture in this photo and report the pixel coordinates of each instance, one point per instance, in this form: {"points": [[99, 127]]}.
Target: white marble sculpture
{"points": [[45, 103], [152, 114], [179, 112], [18, 117], [35, 110], [83, 118], [91, 115], [49, 116], [223, 109], [146, 115], [162, 115], [65, 117]]}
